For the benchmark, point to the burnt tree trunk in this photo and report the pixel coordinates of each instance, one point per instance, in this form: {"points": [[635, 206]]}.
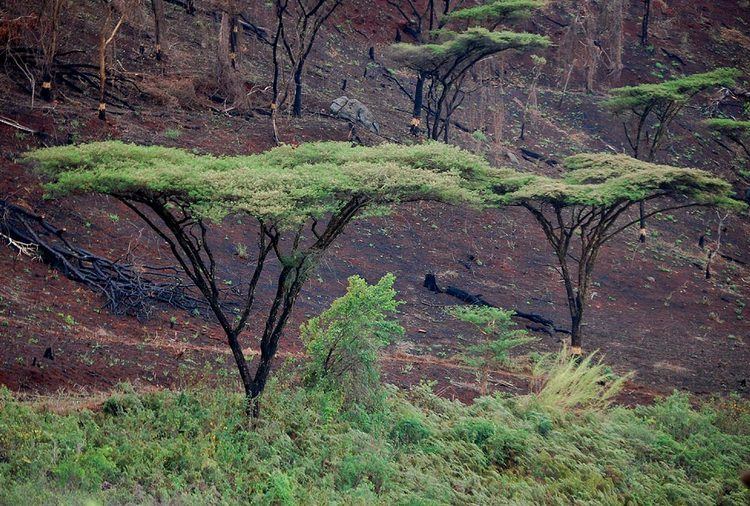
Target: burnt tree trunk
{"points": [[645, 21], [158, 7], [416, 116], [50, 14], [297, 106]]}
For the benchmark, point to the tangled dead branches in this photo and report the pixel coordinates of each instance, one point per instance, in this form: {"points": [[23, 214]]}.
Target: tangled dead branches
{"points": [[127, 289]]}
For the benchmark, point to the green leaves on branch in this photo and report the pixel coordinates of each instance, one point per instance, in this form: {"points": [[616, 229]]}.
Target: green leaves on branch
{"points": [[497, 11], [729, 125], [283, 187], [680, 89]]}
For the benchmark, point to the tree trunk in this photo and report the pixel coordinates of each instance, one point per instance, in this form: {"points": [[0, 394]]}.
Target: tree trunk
{"points": [[418, 100], [102, 74], [190, 7], [297, 107], [233, 41], [227, 78], [242, 367], [575, 334], [644, 23], [642, 221], [158, 7]]}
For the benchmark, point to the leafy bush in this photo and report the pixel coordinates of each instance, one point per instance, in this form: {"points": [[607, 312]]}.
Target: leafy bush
{"points": [[344, 341]]}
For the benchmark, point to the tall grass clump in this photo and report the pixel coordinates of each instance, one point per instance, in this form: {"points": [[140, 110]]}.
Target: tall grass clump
{"points": [[564, 383]]}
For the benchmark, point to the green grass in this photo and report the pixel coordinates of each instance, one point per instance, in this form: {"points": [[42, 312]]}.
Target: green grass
{"points": [[196, 447]]}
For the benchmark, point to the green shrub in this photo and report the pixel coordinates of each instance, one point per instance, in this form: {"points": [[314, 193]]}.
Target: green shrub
{"points": [[344, 341], [410, 430]]}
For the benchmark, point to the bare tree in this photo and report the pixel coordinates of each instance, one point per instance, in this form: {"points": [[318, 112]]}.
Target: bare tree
{"points": [[49, 26], [117, 13], [298, 23]]}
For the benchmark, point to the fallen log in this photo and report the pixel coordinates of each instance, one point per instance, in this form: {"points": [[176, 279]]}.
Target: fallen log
{"points": [[548, 326], [127, 289]]}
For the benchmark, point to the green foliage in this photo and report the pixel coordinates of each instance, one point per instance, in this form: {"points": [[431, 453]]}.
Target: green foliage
{"points": [[497, 334], [496, 11], [606, 179], [282, 187], [452, 52], [680, 89], [344, 341], [417, 448], [571, 383], [729, 125]]}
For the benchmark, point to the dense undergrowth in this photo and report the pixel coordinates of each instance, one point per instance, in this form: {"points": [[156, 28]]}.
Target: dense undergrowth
{"points": [[414, 447]]}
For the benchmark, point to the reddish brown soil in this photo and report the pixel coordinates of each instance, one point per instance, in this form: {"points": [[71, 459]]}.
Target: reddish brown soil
{"points": [[651, 310]]}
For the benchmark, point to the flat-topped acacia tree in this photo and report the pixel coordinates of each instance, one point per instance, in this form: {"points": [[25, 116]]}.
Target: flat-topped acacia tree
{"points": [[293, 203], [588, 206], [648, 111], [443, 57]]}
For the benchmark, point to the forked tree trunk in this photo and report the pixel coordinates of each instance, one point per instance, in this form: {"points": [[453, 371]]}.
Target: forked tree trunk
{"points": [[104, 41]]}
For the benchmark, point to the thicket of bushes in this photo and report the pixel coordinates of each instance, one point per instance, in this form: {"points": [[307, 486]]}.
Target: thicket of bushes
{"points": [[408, 448]]}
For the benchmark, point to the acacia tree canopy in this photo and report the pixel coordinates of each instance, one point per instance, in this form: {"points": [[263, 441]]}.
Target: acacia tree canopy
{"points": [[603, 179], [283, 187], [299, 200]]}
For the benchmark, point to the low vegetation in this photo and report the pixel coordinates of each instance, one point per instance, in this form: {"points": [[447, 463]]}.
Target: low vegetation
{"points": [[412, 448]]}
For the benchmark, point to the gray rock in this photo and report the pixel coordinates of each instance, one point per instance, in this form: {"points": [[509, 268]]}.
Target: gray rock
{"points": [[355, 111], [513, 158]]}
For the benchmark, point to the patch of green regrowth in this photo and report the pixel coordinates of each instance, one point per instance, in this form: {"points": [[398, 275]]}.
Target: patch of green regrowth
{"points": [[496, 334]]}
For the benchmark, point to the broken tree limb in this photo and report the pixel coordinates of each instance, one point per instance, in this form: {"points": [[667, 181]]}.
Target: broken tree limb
{"points": [[430, 282], [127, 289]]}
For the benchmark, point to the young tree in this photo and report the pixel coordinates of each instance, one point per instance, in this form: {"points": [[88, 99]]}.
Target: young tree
{"points": [[420, 19], [586, 208], [497, 336], [442, 58], [293, 203], [343, 343], [649, 109]]}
